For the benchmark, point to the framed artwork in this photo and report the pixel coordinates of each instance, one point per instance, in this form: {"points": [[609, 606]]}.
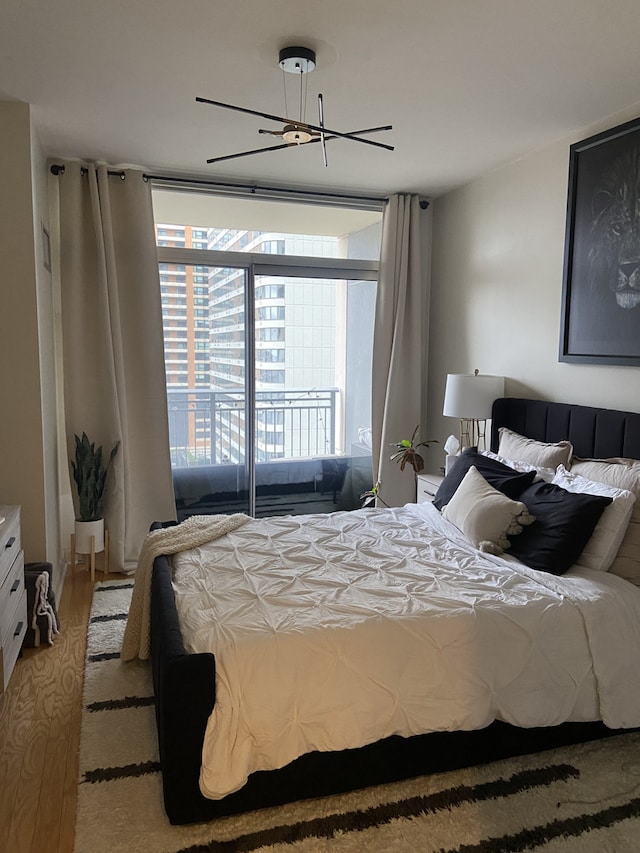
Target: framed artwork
{"points": [[601, 281]]}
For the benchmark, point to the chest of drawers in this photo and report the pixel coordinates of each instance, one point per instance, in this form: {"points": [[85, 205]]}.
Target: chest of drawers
{"points": [[13, 595]]}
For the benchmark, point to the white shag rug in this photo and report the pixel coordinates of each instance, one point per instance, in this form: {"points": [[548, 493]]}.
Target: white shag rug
{"points": [[584, 798]]}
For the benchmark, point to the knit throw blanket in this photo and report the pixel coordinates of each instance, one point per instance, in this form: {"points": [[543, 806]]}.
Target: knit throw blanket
{"points": [[195, 531]]}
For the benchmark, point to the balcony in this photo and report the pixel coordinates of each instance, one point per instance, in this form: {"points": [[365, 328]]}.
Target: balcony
{"points": [[207, 427], [297, 467]]}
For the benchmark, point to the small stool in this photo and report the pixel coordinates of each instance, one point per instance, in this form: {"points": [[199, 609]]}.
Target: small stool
{"points": [[92, 554]]}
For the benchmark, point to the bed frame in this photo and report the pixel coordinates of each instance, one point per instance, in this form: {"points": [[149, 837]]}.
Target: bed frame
{"points": [[185, 683]]}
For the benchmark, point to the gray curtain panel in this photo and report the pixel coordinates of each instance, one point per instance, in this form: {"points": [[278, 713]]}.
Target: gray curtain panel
{"points": [[399, 355], [114, 379]]}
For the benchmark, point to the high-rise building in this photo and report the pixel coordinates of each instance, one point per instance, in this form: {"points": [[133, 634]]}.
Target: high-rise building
{"points": [[297, 351]]}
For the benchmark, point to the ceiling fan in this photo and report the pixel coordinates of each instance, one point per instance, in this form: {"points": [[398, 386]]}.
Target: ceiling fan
{"points": [[295, 132]]}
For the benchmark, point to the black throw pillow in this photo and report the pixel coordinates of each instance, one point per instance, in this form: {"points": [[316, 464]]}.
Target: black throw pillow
{"points": [[564, 523], [503, 478]]}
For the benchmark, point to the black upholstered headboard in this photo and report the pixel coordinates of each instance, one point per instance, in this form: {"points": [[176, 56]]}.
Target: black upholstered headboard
{"points": [[594, 433]]}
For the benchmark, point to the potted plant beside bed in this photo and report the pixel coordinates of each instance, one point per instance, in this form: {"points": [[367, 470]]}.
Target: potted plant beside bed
{"points": [[90, 474], [406, 454]]}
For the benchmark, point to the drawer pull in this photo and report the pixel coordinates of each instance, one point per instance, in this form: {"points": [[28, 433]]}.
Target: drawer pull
{"points": [[10, 542], [16, 585], [18, 630]]}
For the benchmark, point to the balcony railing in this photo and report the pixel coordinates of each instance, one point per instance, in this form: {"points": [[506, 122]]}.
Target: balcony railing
{"points": [[207, 427]]}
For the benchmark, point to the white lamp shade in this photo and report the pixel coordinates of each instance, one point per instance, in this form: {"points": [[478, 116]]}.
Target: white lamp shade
{"points": [[471, 396]]}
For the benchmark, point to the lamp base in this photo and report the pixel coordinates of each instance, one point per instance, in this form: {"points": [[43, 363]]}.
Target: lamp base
{"points": [[473, 433]]}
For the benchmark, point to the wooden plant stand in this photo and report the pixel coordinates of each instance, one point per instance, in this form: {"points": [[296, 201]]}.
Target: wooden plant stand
{"points": [[92, 554]]}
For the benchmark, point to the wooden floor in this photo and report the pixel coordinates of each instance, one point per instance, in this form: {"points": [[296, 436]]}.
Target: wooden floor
{"points": [[40, 733]]}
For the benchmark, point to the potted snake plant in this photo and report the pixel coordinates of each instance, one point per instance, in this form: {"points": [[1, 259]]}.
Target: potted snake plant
{"points": [[90, 474]]}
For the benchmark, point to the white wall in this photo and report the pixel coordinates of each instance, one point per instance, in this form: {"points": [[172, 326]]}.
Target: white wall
{"points": [[54, 549], [22, 471], [496, 290]]}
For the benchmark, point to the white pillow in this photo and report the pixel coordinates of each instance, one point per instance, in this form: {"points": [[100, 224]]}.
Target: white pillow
{"points": [[623, 474], [602, 547], [542, 454], [618, 472], [485, 515], [546, 474]]}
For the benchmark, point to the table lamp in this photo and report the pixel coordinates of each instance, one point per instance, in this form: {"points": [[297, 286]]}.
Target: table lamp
{"points": [[469, 397]]}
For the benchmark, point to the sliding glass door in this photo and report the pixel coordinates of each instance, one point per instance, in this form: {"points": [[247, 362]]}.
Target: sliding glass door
{"points": [[312, 368], [205, 339], [268, 345]]}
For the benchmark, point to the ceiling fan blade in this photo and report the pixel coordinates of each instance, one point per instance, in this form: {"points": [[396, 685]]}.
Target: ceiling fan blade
{"points": [[321, 123], [271, 132], [247, 153], [280, 119], [353, 133], [308, 126], [340, 135], [370, 130]]}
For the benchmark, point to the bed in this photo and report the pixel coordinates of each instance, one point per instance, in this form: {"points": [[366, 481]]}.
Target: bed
{"points": [[186, 683]]}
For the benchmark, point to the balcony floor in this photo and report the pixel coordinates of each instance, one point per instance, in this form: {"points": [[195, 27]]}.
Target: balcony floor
{"points": [[301, 503]]}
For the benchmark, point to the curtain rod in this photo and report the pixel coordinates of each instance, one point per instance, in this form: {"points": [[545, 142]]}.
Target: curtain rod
{"points": [[255, 189], [251, 189], [58, 169]]}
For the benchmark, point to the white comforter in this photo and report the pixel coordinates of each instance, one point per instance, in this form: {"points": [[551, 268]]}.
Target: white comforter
{"points": [[333, 631]]}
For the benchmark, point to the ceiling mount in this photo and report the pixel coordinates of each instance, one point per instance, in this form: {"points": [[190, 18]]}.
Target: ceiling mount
{"points": [[297, 60]]}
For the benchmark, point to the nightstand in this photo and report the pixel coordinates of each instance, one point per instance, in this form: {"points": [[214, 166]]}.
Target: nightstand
{"points": [[427, 486]]}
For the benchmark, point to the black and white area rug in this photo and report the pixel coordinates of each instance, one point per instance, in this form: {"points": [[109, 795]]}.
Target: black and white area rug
{"points": [[584, 798]]}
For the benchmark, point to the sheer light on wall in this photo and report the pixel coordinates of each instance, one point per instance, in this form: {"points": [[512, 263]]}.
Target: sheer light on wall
{"points": [[469, 397]]}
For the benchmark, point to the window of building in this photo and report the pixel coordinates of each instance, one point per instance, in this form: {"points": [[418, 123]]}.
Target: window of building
{"points": [[270, 291], [271, 312]]}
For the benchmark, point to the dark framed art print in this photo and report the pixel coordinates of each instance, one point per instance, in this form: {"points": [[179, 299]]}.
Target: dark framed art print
{"points": [[601, 281]]}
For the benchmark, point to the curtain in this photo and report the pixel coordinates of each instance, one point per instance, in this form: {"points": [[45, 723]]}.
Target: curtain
{"points": [[400, 337], [113, 356]]}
